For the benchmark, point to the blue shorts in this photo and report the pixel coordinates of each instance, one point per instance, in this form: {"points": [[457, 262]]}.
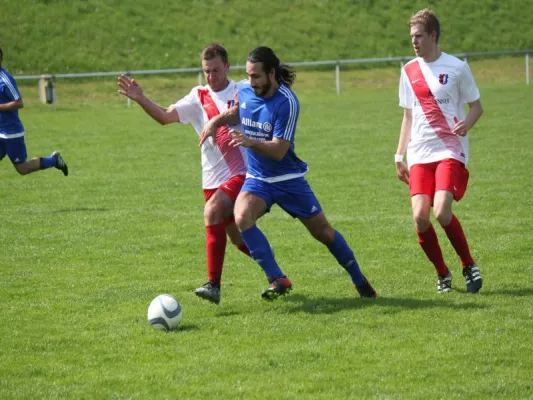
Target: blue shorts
{"points": [[294, 196], [14, 148]]}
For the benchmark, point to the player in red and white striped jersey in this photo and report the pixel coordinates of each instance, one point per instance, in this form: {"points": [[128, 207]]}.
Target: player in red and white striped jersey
{"points": [[434, 88], [223, 166]]}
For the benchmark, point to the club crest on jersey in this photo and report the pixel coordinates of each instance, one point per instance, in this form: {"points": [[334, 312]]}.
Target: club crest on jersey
{"points": [[443, 79]]}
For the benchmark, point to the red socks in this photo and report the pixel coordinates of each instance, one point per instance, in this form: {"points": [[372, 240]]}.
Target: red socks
{"points": [[216, 249], [430, 244], [216, 240], [455, 233]]}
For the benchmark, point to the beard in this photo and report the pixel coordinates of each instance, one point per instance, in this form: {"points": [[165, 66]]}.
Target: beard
{"points": [[261, 91]]}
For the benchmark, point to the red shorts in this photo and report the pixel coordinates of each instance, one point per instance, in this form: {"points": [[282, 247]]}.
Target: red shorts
{"points": [[231, 187], [448, 174]]}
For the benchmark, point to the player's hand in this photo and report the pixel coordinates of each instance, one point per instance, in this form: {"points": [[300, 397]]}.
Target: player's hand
{"points": [[402, 172], [459, 128], [129, 87], [209, 130], [239, 139]]}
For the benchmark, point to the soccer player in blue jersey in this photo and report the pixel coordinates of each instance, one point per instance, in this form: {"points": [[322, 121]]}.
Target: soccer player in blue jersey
{"points": [[268, 111], [12, 141]]}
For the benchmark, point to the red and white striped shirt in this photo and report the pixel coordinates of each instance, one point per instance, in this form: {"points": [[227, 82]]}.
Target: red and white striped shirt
{"points": [[436, 92], [220, 161]]}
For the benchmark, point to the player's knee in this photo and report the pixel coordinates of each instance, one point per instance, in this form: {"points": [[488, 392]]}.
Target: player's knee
{"points": [[213, 214], [240, 221], [443, 216], [243, 220], [324, 234], [22, 169], [421, 222]]}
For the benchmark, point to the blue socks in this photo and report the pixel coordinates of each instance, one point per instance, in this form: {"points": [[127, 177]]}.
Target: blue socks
{"points": [[345, 257], [261, 252], [47, 162]]}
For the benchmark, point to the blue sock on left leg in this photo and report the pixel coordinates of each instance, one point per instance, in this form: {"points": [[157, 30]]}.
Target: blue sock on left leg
{"points": [[345, 257], [47, 162], [261, 252]]}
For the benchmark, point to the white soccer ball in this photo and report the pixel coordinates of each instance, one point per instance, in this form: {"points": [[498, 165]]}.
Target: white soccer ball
{"points": [[164, 312]]}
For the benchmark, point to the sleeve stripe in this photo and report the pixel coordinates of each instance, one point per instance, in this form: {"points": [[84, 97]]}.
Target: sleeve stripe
{"points": [[8, 83], [293, 112]]}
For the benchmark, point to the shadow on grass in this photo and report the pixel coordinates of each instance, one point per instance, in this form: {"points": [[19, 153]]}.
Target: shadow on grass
{"points": [[226, 313], [395, 304], [184, 328]]}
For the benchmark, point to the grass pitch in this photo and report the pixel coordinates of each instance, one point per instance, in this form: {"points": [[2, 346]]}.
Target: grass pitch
{"points": [[83, 256]]}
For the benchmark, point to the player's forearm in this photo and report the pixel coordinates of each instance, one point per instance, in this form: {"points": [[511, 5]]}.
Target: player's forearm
{"points": [[273, 150], [229, 117], [154, 110], [474, 113], [12, 105], [405, 136]]}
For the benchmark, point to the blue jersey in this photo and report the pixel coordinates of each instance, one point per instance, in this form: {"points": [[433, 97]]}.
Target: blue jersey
{"points": [[267, 118], [10, 123]]}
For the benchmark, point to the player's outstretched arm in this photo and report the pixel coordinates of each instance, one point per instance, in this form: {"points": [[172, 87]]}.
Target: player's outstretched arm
{"points": [[229, 117], [402, 171], [131, 88]]}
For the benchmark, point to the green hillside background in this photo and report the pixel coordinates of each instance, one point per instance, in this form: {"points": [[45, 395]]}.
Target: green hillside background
{"points": [[58, 36]]}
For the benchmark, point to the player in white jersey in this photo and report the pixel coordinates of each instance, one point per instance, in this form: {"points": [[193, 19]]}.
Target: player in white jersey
{"points": [[223, 166], [434, 88]]}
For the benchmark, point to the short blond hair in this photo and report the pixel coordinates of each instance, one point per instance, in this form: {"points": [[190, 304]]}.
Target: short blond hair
{"points": [[428, 19]]}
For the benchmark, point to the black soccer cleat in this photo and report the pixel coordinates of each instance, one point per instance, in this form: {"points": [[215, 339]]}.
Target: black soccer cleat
{"points": [[278, 287], [209, 291], [60, 163], [473, 278], [366, 289]]}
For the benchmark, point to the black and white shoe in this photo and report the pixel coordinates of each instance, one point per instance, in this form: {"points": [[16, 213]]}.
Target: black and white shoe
{"points": [[60, 163], [473, 278], [444, 283]]}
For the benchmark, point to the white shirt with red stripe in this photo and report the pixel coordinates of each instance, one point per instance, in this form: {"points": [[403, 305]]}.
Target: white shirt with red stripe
{"points": [[220, 161], [436, 92]]}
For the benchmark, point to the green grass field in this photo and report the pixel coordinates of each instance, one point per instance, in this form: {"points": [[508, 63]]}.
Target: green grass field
{"points": [[83, 256]]}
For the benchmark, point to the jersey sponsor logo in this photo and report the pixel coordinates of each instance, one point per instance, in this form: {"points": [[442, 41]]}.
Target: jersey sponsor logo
{"points": [[251, 123], [267, 127], [433, 100], [443, 79]]}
